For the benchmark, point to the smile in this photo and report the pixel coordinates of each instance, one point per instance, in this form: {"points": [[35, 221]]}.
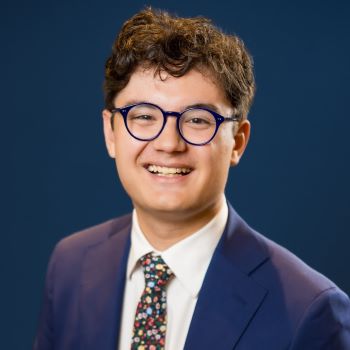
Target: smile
{"points": [[166, 171]]}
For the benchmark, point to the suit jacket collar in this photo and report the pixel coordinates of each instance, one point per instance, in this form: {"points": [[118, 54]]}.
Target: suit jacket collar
{"points": [[227, 301], [102, 289], [229, 297]]}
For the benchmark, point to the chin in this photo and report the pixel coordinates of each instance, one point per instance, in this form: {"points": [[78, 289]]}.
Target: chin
{"points": [[166, 205]]}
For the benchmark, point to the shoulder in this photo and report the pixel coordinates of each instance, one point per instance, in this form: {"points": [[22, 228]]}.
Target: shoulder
{"points": [[74, 245], [270, 264], [293, 271], [310, 301], [94, 234], [304, 307], [325, 323], [288, 277], [292, 285]]}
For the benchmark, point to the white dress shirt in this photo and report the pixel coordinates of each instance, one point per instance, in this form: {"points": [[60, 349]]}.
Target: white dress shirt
{"points": [[189, 260]]}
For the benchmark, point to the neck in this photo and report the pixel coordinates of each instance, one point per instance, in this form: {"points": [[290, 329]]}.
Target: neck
{"points": [[162, 230]]}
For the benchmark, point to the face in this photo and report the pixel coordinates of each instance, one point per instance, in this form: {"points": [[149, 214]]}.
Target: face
{"points": [[177, 194]]}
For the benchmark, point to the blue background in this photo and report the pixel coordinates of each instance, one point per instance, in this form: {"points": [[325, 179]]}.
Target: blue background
{"points": [[292, 184]]}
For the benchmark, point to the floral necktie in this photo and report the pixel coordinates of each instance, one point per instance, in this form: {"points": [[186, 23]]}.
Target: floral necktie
{"points": [[150, 319]]}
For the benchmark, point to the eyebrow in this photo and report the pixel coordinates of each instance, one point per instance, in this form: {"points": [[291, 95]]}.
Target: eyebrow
{"points": [[204, 105], [194, 105]]}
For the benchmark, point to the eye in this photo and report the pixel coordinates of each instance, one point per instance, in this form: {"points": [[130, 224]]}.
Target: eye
{"points": [[144, 117], [197, 120]]}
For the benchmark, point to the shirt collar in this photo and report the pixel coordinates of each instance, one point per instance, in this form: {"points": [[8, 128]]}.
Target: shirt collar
{"points": [[189, 258]]}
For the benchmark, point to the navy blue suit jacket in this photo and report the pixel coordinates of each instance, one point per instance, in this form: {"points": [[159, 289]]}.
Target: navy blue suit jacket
{"points": [[256, 295]]}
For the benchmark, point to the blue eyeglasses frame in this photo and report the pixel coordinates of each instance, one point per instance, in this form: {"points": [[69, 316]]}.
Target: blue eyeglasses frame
{"points": [[218, 118]]}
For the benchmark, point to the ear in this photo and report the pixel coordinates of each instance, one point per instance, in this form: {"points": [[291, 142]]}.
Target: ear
{"points": [[241, 140], [108, 132]]}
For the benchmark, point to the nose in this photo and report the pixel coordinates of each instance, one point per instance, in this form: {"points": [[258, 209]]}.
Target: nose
{"points": [[169, 139]]}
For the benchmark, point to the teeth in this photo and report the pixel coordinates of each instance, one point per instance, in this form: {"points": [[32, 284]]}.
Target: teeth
{"points": [[167, 171]]}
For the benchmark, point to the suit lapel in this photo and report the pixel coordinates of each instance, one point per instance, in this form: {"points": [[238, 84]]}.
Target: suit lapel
{"points": [[102, 288], [229, 297]]}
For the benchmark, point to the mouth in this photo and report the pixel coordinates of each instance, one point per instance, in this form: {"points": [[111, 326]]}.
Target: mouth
{"points": [[168, 171]]}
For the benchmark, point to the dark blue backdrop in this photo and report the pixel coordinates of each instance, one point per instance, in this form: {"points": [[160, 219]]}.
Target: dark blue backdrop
{"points": [[292, 184]]}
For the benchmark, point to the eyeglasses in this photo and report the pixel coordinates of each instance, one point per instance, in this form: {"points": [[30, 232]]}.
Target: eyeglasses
{"points": [[145, 122]]}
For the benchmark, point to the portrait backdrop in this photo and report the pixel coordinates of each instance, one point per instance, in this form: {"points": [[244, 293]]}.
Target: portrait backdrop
{"points": [[292, 184]]}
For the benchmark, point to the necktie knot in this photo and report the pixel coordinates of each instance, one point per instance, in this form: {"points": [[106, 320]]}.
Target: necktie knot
{"points": [[157, 272]]}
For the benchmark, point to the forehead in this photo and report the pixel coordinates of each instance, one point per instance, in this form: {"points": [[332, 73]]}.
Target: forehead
{"points": [[172, 93]]}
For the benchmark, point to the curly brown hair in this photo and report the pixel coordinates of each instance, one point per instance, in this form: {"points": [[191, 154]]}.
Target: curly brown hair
{"points": [[155, 39]]}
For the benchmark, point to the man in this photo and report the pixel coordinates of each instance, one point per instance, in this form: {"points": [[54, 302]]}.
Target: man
{"points": [[184, 271]]}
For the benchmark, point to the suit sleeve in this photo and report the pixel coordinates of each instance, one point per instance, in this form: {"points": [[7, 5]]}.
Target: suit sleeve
{"points": [[325, 324], [45, 332]]}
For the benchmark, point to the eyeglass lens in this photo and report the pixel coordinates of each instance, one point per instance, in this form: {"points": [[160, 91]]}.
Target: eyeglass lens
{"points": [[196, 125]]}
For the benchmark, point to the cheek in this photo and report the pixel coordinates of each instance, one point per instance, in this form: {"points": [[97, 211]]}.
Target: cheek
{"points": [[126, 147], [227, 146], [215, 163], [127, 173], [222, 148], [127, 151], [226, 133], [221, 159]]}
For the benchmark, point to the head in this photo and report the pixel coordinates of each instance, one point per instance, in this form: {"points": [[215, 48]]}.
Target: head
{"points": [[175, 63], [175, 45]]}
